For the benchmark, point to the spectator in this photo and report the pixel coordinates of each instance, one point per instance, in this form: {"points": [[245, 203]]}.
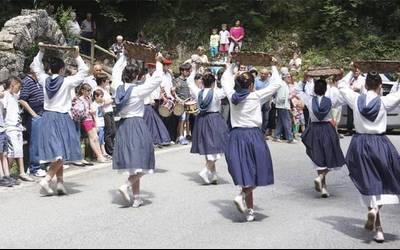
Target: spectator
{"points": [[284, 126], [224, 40], [98, 105], [91, 80], [262, 82], [295, 63], [73, 30], [88, 122], [89, 30], [237, 34], [5, 179], [14, 127], [118, 47], [142, 39], [214, 43], [110, 127], [32, 100]]}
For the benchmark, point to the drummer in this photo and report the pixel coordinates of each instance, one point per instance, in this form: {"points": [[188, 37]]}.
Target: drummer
{"points": [[181, 92]]}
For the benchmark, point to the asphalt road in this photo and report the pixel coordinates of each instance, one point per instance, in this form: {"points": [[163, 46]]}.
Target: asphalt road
{"points": [[182, 213]]}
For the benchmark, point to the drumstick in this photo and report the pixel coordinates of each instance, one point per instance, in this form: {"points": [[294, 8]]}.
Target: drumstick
{"points": [[57, 47]]}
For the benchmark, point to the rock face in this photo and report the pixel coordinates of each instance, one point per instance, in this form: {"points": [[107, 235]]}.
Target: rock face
{"points": [[20, 34]]}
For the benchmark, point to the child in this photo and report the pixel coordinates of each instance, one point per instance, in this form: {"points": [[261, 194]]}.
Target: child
{"points": [[372, 159], [134, 150], [98, 105], [247, 154], [58, 137], [210, 134], [320, 138], [214, 43], [13, 125], [5, 179], [224, 35]]}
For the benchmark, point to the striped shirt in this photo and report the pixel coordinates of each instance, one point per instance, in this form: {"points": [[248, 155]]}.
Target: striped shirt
{"points": [[32, 93]]}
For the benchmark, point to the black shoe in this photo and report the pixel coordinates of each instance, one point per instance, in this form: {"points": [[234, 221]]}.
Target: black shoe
{"points": [[5, 183], [189, 137], [13, 181]]}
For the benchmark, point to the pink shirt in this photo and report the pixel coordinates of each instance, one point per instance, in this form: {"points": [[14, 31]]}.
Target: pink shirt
{"points": [[237, 32]]}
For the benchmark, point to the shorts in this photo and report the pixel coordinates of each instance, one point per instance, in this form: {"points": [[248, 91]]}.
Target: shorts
{"points": [[4, 143], [88, 125], [101, 132], [16, 145], [224, 48]]}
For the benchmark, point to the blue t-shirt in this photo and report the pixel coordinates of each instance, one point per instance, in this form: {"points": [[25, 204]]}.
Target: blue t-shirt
{"points": [[260, 84]]}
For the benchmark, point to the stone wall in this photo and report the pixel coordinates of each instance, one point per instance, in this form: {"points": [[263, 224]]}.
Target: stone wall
{"points": [[20, 34]]}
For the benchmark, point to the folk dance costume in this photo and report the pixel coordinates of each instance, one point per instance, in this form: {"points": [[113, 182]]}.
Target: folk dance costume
{"points": [[247, 154], [210, 133], [372, 159], [156, 126], [321, 140], [58, 138], [134, 151]]}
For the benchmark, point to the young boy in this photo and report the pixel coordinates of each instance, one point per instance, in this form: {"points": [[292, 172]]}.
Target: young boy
{"points": [[214, 43], [13, 125], [5, 180], [98, 105], [224, 40]]}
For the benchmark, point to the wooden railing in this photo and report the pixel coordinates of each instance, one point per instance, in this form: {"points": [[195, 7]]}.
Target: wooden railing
{"points": [[93, 48]]}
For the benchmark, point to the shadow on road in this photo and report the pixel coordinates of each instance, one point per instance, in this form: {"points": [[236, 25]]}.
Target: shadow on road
{"points": [[194, 177], [229, 211], [354, 228], [117, 199]]}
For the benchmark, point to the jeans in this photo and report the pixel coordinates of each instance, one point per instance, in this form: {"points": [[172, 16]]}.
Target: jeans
{"points": [[214, 51], [33, 144], [265, 115], [284, 126]]}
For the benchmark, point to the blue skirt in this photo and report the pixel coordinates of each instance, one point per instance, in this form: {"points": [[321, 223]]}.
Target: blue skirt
{"points": [[210, 134], [323, 145], [134, 148], [249, 159], [58, 139], [374, 165], [157, 128]]}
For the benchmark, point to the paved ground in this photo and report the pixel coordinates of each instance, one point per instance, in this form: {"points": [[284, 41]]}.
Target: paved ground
{"points": [[181, 213]]}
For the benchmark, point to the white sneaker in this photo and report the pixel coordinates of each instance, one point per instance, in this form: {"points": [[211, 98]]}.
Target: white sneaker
{"points": [[379, 236], [61, 190], [124, 190], [318, 184], [45, 185], [250, 217], [66, 167], [325, 194], [372, 216], [40, 173], [137, 203], [205, 176], [25, 177], [240, 203]]}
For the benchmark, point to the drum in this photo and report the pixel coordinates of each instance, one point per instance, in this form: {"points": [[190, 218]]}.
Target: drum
{"points": [[191, 107], [179, 109], [166, 109]]}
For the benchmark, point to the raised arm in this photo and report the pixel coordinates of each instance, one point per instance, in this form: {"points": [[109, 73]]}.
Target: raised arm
{"points": [[391, 101], [276, 83], [38, 68], [83, 72], [300, 93], [349, 96], [117, 72], [151, 84], [194, 89], [228, 82]]}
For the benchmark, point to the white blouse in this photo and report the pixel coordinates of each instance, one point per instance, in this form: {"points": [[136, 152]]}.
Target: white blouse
{"points": [[247, 114], [135, 105], [219, 94], [62, 101], [363, 125]]}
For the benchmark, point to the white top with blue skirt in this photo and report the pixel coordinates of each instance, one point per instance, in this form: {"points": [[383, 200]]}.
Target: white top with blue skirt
{"points": [[247, 153], [58, 135], [324, 151], [372, 159], [210, 133], [134, 150]]}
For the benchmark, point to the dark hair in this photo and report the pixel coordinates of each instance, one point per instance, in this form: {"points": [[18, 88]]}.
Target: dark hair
{"points": [[208, 80], [97, 93], [56, 65], [101, 78], [244, 81], [84, 87], [320, 87], [130, 73], [11, 80], [374, 81], [185, 67], [220, 73], [198, 77]]}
